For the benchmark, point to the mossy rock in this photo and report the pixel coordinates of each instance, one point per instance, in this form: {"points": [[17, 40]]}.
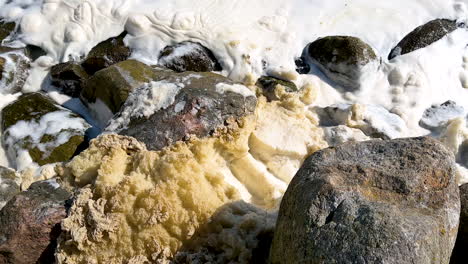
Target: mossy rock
{"points": [[69, 78], [423, 36], [270, 84], [106, 53], [189, 56], [45, 149], [113, 84], [342, 58], [6, 28]]}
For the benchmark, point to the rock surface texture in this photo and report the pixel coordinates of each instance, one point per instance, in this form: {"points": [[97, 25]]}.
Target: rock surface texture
{"points": [[459, 252], [69, 78], [343, 59], [188, 56], [392, 201], [423, 36], [30, 224]]}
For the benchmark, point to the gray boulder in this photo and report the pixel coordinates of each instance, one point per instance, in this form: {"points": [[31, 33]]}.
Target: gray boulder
{"points": [[179, 106], [423, 36], [106, 53], [69, 78], [394, 201], [459, 255], [188, 56], [30, 224], [35, 125], [343, 59]]}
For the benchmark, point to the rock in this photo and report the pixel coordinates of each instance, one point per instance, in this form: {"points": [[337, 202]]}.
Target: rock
{"points": [[393, 201], [343, 59], [9, 185], [106, 91], [14, 70], [6, 28], [459, 253], [374, 120], [423, 36], [68, 77], [184, 104], [269, 86], [188, 56], [106, 53], [30, 224], [337, 135], [35, 128], [301, 66], [438, 116]]}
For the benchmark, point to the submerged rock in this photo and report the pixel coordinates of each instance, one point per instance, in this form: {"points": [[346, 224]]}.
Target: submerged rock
{"points": [[106, 53], [270, 84], [179, 106], [35, 128], [9, 185], [30, 224], [106, 91], [438, 116], [423, 36], [392, 201], [343, 59], [459, 252], [69, 78], [188, 56], [14, 70]]}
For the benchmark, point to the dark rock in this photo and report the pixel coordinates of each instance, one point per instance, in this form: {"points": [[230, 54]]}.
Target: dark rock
{"points": [[112, 85], [301, 66], [423, 36], [14, 70], [393, 201], [48, 132], [34, 52], [194, 104], [106, 53], [6, 28], [342, 58], [459, 255], [269, 85], [188, 56], [68, 77], [30, 224], [8, 185]]}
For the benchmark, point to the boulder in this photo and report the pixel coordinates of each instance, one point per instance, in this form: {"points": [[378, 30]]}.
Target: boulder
{"points": [[106, 53], [181, 105], [188, 56], [437, 117], [343, 59], [30, 224], [459, 254], [270, 84], [381, 201], [106, 91], [6, 28], [14, 70], [9, 185], [35, 128], [423, 36], [69, 78]]}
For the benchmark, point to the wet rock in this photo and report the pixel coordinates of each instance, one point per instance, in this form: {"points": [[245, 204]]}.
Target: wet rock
{"points": [[270, 84], [393, 201], [35, 128], [188, 56], [106, 53], [14, 70], [181, 105], [343, 59], [69, 78], [438, 116], [423, 36], [9, 185], [374, 120], [459, 252], [30, 224], [106, 91], [6, 28], [301, 66]]}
